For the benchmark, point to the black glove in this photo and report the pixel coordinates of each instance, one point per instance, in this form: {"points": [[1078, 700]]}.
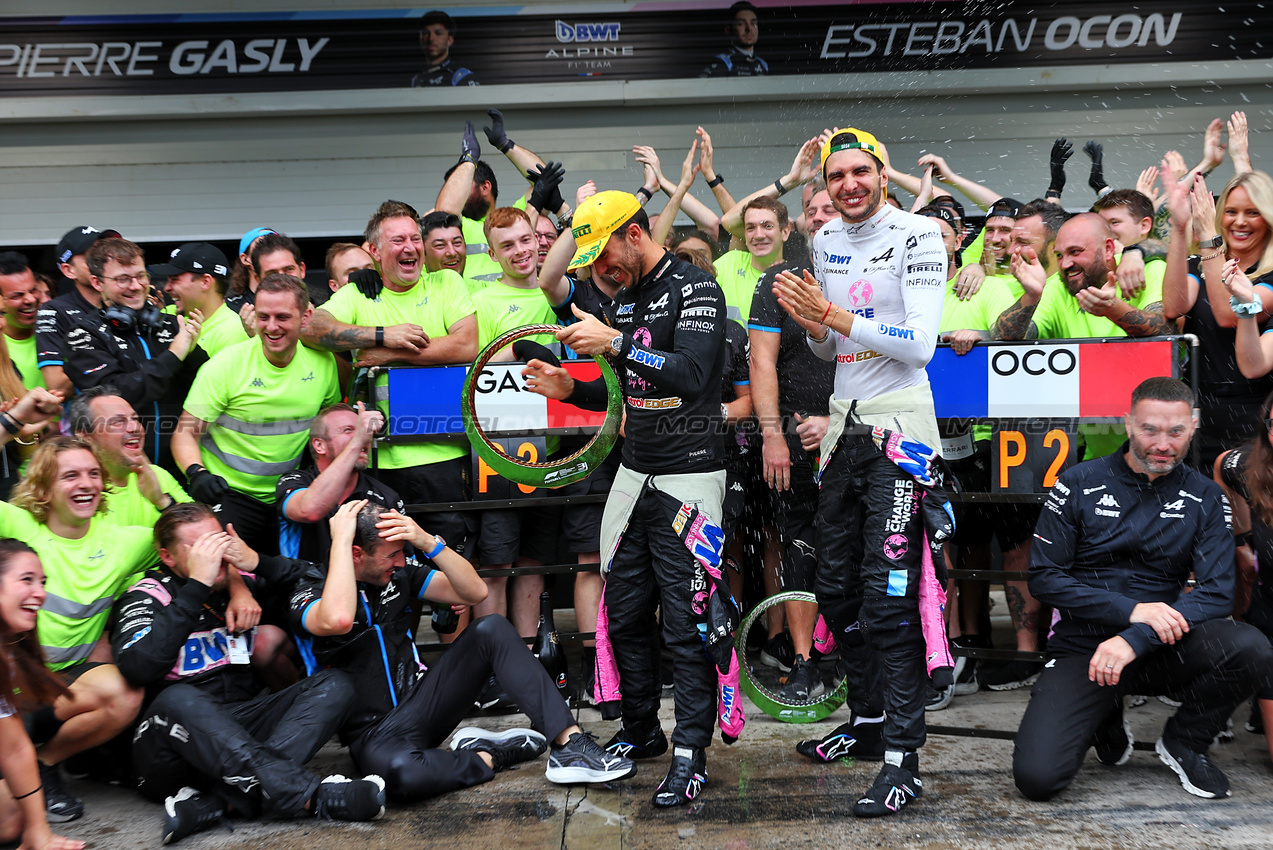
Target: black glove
{"points": [[546, 196], [526, 350], [1061, 151], [204, 486], [495, 133], [470, 150], [368, 282], [1096, 151]]}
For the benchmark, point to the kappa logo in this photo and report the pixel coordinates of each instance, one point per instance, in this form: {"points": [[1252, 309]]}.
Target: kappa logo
{"points": [[860, 293], [513, 308], [257, 382], [1109, 501]]}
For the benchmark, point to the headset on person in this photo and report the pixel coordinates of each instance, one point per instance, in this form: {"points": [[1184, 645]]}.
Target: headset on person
{"points": [[123, 318]]}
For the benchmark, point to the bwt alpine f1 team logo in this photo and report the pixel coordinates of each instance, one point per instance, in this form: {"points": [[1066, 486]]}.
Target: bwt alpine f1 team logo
{"points": [[860, 293], [593, 46]]}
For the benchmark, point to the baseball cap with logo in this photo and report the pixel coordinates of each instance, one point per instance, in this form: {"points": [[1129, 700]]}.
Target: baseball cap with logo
{"points": [[595, 222], [850, 139], [1009, 207], [78, 240], [197, 257]]}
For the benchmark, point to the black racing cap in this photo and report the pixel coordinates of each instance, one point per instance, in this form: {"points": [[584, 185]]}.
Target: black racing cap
{"points": [[940, 211], [1009, 207], [198, 257], [78, 240]]}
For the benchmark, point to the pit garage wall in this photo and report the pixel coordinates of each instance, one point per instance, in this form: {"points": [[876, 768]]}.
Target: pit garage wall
{"points": [[177, 167]]}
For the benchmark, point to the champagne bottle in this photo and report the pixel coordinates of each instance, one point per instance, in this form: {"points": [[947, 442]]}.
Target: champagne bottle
{"points": [[548, 646]]}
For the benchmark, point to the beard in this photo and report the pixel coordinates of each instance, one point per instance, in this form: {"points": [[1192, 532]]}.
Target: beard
{"points": [[475, 208], [1154, 467], [1094, 275], [864, 212]]}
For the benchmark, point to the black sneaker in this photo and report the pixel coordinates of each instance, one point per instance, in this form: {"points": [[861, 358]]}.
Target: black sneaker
{"points": [[863, 741], [1198, 774], [1013, 675], [588, 685], [1113, 739], [685, 778], [804, 683], [581, 759], [188, 812], [636, 742], [59, 805], [895, 786], [341, 798], [935, 699], [493, 698], [507, 748], [779, 652]]}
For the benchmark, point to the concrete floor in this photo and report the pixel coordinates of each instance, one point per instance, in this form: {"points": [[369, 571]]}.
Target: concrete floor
{"points": [[761, 794]]}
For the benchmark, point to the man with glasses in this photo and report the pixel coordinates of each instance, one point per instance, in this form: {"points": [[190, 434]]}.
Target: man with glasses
{"points": [[150, 357]]}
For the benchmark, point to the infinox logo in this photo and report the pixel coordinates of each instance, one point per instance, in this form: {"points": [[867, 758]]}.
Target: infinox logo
{"points": [[1036, 361]]}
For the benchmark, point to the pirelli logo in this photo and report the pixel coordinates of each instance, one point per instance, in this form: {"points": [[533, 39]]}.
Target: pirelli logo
{"points": [[581, 230]]}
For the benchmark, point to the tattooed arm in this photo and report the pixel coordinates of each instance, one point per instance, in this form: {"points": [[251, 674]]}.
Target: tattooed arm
{"points": [[325, 331], [1015, 322]]}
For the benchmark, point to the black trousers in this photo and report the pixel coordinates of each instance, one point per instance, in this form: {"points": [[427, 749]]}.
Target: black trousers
{"points": [[255, 521], [248, 753], [653, 569], [796, 512], [403, 747], [870, 539], [1211, 670]]}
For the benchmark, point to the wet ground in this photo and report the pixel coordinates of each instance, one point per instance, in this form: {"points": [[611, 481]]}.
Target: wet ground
{"points": [[761, 794]]}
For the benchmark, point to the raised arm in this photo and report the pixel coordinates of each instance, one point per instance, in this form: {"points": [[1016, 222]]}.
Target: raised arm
{"points": [[458, 584], [523, 159], [802, 171], [1179, 288], [333, 612], [1239, 144], [316, 502], [707, 164], [1253, 349], [689, 171], [457, 188], [975, 192]]}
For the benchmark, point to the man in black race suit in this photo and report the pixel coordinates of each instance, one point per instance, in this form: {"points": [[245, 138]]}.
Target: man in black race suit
{"points": [[668, 347]]}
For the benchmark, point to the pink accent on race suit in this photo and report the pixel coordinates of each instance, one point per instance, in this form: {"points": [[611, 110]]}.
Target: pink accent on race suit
{"points": [[860, 293]]}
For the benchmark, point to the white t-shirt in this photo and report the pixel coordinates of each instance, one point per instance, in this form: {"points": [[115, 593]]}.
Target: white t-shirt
{"points": [[890, 272]]}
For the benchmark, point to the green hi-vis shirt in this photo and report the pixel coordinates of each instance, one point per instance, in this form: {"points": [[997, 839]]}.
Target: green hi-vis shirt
{"points": [[1014, 286], [436, 303], [972, 254], [475, 286], [478, 265], [127, 506], [22, 353], [737, 278], [1059, 316], [84, 577], [502, 308], [258, 415], [221, 330]]}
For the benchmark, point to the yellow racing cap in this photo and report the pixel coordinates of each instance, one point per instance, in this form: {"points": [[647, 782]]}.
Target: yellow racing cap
{"points": [[595, 222], [848, 140]]}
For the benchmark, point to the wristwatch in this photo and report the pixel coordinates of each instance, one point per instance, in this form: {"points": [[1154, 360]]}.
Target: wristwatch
{"points": [[616, 344], [1214, 242], [438, 545]]}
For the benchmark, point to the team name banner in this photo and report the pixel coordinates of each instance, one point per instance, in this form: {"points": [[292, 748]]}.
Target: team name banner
{"points": [[1065, 379], [425, 402], [500, 43]]}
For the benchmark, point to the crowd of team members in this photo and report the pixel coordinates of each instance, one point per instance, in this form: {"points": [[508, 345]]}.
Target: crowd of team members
{"points": [[272, 600]]}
